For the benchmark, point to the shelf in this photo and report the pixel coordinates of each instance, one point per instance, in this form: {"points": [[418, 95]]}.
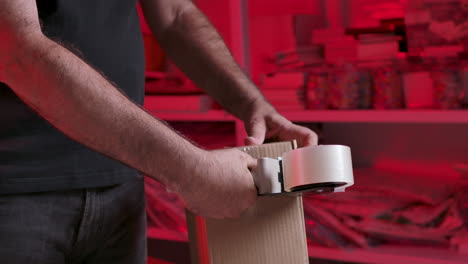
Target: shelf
{"points": [[211, 116], [379, 116], [390, 255], [336, 116]]}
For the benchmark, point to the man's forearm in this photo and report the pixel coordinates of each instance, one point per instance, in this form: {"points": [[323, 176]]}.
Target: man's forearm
{"points": [[81, 103], [196, 47]]}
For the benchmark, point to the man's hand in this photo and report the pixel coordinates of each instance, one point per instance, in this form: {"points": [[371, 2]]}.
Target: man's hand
{"points": [[264, 122], [220, 185]]}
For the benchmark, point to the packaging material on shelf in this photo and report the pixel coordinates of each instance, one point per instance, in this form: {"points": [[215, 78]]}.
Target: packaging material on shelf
{"points": [[343, 51], [338, 46], [370, 13], [378, 47], [387, 208], [434, 82], [272, 232], [269, 35], [376, 84], [178, 103], [447, 83], [435, 23], [309, 55], [464, 82], [282, 80], [443, 51], [419, 90], [317, 88], [339, 235], [460, 242], [304, 24], [375, 51], [323, 36], [350, 87], [288, 100], [387, 85], [284, 90]]}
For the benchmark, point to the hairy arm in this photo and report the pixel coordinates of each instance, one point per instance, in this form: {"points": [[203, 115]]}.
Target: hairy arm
{"points": [[197, 48], [81, 103]]}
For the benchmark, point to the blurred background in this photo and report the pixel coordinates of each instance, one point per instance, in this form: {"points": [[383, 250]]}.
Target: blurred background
{"points": [[389, 78]]}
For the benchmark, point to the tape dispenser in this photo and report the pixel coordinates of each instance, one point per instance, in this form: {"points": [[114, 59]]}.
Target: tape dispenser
{"points": [[309, 170]]}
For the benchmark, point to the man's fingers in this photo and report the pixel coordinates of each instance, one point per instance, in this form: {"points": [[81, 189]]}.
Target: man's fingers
{"points": [[305, 136], [256, 132], [311, 139], [250, 141]]}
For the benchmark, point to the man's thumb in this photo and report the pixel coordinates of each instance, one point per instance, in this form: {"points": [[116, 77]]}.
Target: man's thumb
{"points": [[256, 133]]}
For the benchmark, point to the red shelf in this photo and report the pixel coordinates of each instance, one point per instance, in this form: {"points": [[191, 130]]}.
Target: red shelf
{"points": [[336, 116], [380, 116], [209, 116]]}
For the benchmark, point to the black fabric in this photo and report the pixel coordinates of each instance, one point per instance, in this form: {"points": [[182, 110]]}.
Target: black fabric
{"points": [[105, 225], [36, 157]]}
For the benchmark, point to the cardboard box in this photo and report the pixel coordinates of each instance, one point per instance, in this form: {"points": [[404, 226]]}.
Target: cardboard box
{"points": [[272, 232]]}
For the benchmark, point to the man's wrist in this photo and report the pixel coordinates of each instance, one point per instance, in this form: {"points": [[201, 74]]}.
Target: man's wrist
{"points": [[186, 164]]}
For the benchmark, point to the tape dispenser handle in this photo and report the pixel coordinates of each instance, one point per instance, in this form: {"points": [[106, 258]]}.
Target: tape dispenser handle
{"points": [[268, 176]]}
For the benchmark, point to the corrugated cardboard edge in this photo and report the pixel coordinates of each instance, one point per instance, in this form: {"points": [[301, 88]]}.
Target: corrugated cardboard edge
{"points": [[271, 232], [270, 150]]}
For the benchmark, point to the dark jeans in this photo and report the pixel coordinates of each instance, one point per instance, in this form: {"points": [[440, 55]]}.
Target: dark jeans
{"points": [[98, 225]]}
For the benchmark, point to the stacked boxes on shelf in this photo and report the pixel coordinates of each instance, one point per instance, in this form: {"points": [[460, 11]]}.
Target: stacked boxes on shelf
{"points": [[378, 46], [284, 90], [354, 86], [338, 47], [434, 83], [423, 83]]}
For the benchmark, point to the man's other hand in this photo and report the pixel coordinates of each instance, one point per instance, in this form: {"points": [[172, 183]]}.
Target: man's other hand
{"points": [[266, 123]]}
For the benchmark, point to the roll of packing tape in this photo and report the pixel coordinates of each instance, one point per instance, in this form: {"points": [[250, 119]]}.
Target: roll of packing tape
{"points": [[316, 167]]}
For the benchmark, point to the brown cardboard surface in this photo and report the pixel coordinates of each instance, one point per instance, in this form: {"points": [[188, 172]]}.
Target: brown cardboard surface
{"points": [[272, 232]]}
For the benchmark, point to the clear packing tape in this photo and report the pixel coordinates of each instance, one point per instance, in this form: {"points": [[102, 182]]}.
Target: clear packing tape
{"points": [[316, 169]]}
